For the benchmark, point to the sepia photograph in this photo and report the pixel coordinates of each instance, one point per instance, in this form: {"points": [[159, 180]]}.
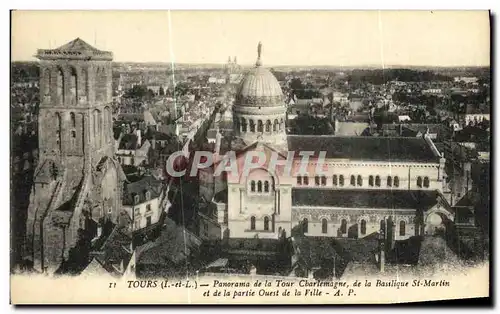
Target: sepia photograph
{"points": [[249, 157]]}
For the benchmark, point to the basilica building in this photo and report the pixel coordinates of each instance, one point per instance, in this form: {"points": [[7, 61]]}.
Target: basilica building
{"points": [[389, 185]]}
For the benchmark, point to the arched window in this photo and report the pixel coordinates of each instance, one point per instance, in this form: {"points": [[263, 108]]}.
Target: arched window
{"points": [[370, 180], [382, 225], [334, 180], [353, 180], [266, 186], [426, 182], [343, 226], [252, 223], [316, 180], [305, 225], [60, 86], [299, 180], [402, 228], [363, 227], [259, 186], [73, 119], [389, 181], [243, 125], [324, 225], [323, 180], [58, 131], [360, 181], [396, 181], [252, 126], [260, 127], [419, 182], [266, 223], [268, 126], [73, 86], [252, 186], [275, 125], [341, 180], [377, 181], [306, 180]]}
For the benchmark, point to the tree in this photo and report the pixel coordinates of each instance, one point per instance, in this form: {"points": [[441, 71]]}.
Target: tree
{"points": [[162, 91]]}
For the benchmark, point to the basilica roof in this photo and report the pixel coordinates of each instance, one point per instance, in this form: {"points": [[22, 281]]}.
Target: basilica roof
{"points": [[259, 87]]}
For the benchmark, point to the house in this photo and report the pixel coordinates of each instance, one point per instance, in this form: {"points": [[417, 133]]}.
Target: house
{"points": [[133, 149]]}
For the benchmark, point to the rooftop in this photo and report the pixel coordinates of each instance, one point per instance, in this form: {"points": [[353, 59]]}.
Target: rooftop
{"points": [[366, 148], [76, 49]]}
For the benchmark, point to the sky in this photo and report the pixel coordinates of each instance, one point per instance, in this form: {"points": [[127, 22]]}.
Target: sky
{"points": [[335, 38]]}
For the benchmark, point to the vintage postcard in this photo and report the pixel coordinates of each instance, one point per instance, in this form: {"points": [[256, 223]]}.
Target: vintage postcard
{"points": [[249, 157]]}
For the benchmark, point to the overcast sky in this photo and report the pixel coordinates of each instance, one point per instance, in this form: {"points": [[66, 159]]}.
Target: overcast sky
{"points": [[338, 38]]}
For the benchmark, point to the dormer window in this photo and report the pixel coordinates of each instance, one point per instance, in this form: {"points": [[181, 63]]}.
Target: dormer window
{"points": [[148, 195], [136, 199]]}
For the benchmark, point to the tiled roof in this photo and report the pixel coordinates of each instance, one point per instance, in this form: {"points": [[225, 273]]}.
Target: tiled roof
{"points": [[140, 187], [360, 198], [366, 148]]}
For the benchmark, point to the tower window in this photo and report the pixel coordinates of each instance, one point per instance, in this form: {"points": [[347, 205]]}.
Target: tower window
{"points": [[260, 127], [266, 223], [370, 180], [363, 227], [316, 180], [334, 180], [252, 223], [268, 126], [382, 226], [341, 180], [324, 226], [419, 182], [377, 181], [396, 181], [402, 228], [426, 182], [306, 180], [266, 186], [275, 125], [323, 180], [243, 125], [389, 181], [259, 186], [343, 226], [252, 126], [360, 181], [353, 180], [73, 119]]}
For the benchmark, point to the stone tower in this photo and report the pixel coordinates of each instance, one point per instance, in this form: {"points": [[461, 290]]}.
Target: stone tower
{"points": [[77, 182]]}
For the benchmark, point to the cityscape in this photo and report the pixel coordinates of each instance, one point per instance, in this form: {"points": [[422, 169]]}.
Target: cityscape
{"points": [[128, 168]]}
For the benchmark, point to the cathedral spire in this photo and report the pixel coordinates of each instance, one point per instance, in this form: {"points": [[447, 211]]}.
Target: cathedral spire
{"points": [[259, 52]]}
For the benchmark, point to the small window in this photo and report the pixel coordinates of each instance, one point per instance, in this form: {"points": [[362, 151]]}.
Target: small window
{"points": [[252, 223], [305, 225], [382, 226], [266, 223], [148, 195], [396, 181], [419, 182], [360, 181], [148, 221], [266, 186], [402, 228], [316, 180], [353, 181], [259, 186], [136, 199], [389, 181], [252, 186], [426, 182], [73, 134], [148, 207], [343, 226], [370, 180], [299, 180], [324, 225], [306, 180], [341, 180], [363, 227], [377, 181], [334, 180], [323, 180], [137, 211]]}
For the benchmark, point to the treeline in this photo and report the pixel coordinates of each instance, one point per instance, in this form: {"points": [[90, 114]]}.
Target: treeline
{"points": [[24, 71], [380, 76]]}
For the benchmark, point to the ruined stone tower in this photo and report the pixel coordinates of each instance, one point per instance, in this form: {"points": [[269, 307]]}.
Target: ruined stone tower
{"points": [[77, 183]]}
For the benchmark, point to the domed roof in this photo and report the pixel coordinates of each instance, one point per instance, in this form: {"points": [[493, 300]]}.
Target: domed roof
{"points": [[259, 87]]}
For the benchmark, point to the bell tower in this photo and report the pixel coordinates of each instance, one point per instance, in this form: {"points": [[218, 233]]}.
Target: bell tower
{"points": [[75, 119]]}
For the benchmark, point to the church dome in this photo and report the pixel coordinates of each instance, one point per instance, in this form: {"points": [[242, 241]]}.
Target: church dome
{"points": [[259, 87]]}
